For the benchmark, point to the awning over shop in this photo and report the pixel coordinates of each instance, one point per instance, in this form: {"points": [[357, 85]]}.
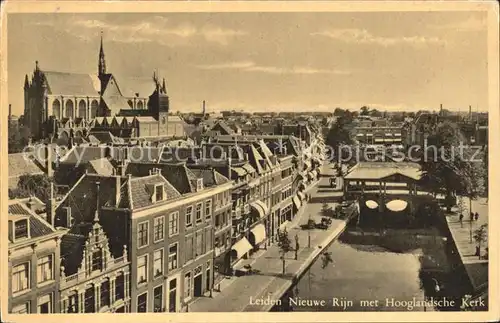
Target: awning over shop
{"points": [[259, 233], [301, 195], [388, 134], [397, 134], [379, 140], [260, 207], [296, 201], [397, 139], [284, 225], [241, 247], [369, 134], [360, 135], [388, 140]]}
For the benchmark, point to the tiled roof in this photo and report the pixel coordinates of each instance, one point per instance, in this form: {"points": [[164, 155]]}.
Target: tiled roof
{"points": [[210, 176], [83, 154], [21, 163], [146, 120], [38, 151], [141, 196], [115, 102], [101, 167], [226, 130], [82, 197], [181, 154], [129, 86], [72, 246], [38, 226], [102, 136], [176, 174], [71, 83], [144, 154]]}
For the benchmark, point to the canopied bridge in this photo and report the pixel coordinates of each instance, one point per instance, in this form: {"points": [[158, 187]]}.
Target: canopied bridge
{"points": [[386, 186]]}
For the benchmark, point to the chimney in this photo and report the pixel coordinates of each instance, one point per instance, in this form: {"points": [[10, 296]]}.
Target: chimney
{"points": [[204, 111], [125, 153], [10, 111], [51, 206], [229, 168], [118, 179], [48, 161], [470, 112]]}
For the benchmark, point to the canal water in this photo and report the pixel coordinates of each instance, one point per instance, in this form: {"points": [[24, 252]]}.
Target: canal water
{"points": [[383, 268]]}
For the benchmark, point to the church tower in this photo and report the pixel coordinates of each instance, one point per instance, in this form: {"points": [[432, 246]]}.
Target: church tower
{"points": [[102, 60]]}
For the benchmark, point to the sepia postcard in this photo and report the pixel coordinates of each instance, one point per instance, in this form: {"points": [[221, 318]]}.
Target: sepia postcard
{"points": [[249, 161]]}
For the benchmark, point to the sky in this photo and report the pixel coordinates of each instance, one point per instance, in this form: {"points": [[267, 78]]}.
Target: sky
{"points": [[268, 61]]}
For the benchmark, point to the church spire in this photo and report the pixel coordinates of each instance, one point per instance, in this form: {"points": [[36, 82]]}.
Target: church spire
{"points": [[96, 214], [164, 87], [102, 61]]}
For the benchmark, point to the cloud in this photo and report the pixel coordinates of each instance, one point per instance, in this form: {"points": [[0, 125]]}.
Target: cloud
{"points": [[362, 36], [157, 29], [249, 66]]}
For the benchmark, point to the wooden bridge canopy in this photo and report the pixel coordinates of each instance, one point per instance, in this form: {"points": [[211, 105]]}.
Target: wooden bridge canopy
{"points": [[366, 176]]}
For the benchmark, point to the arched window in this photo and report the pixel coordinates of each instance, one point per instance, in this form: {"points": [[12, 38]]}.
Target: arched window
{"points": [[140, 105], [82, 108], [131, 104], [93, 108], [56, 109], [69, 109]]}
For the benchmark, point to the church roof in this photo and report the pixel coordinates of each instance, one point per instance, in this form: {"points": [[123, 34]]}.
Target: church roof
{"points": [[130, 86], [72, 83]]}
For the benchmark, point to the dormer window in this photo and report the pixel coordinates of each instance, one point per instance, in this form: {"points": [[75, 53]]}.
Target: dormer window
{"points": [[159, 192], [199, 184], [21, 229]]}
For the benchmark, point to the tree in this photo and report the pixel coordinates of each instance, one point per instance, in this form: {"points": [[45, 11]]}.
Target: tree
{"points": [[339, 134], [285, 246], [375, 113], [481, 236], [326, 259], [15, 141], [485, 170], [32, 185], [364, 111], [447, 165]]}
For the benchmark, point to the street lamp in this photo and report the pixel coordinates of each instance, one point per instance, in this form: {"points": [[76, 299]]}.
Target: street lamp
{"points": [[470, 219], [309, 232]]}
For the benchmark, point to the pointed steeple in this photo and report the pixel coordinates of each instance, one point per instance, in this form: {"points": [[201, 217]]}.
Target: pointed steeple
{"points": [[96, 215], [164, 87], [102, 60], [26, 82]]}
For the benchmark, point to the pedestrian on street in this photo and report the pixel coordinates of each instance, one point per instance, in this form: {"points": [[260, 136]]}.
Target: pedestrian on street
{"points": [[461, 218], [476, 216], [471, 216]]}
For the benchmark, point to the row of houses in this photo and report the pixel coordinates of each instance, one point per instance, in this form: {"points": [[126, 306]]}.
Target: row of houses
{"points": [[149, 229]]}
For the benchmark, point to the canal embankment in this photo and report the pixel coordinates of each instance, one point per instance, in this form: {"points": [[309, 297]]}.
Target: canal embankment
{"points": [[464, 246], [260, 291]]}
